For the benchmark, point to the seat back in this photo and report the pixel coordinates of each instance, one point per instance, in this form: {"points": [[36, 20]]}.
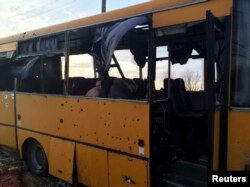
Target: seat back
{"points": [[175, 98], [184, 96]]}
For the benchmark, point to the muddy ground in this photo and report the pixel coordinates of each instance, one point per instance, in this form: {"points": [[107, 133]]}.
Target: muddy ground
{"points": [[14, 173]]}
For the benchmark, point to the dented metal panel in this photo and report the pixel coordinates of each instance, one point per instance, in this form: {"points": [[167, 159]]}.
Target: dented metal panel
{"points": [[117, 125], [92, 166], [126, 171], [61, 159]]}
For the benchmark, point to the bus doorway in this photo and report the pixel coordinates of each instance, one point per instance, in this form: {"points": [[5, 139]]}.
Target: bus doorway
{"points": [[186, 110]]}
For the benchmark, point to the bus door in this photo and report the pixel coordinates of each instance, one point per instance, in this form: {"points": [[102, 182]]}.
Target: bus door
{"points": [[216, 87]]}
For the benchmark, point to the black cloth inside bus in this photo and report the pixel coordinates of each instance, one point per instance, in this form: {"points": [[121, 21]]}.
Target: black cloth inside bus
{"points": [[48, 44], [35, 74], [107, 39], [16, 68]]}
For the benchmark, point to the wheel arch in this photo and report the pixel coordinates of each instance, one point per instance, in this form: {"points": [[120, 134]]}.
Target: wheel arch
{"points": [[26, 144]]}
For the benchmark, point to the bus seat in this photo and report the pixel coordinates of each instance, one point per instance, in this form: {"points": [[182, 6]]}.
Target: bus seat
{"points": [[141, 87], [184, 96], [80, 85], [124, 89]]}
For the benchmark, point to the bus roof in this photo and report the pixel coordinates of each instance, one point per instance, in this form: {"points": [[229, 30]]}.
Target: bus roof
{"points": [[173, 12]]}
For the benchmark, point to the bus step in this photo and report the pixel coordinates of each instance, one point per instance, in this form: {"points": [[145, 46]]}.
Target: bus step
{"points": [[183, 183], [189, 170]]}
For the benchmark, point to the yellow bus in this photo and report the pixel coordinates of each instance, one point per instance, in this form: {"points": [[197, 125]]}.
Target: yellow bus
{"points": [[117, 123]]}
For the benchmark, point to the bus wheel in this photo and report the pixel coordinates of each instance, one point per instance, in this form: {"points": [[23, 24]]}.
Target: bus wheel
{"points": [[36, 159]]}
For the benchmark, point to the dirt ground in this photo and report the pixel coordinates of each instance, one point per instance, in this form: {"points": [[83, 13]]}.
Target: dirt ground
{"points": [[14, 173]]}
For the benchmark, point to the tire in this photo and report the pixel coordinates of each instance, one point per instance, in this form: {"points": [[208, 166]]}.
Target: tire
{"points": [[36, 159]]}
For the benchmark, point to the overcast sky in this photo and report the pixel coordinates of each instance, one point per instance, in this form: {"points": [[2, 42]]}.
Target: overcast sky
{"points": [[21, 15]]}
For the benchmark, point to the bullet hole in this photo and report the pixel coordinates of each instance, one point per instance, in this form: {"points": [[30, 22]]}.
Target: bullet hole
{"points": [[62, 104], [19, 117], [141, 143], [138, 119], [94, 132], [61, 120], [59, 171], [80, 136], [130, 148], [81, 109], [124, 126]]}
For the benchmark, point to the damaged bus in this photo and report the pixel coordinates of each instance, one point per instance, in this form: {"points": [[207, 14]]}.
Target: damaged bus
{"points": [[75, 107]]}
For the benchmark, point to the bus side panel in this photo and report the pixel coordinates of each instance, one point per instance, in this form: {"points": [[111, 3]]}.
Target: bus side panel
{"points": [[7, 120], [238, 140], [216, 140], [192, 13], [8, 47], [125, 171], [118, 125], [61, 159], [7, 136], [7, 108], [92, 166]]}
